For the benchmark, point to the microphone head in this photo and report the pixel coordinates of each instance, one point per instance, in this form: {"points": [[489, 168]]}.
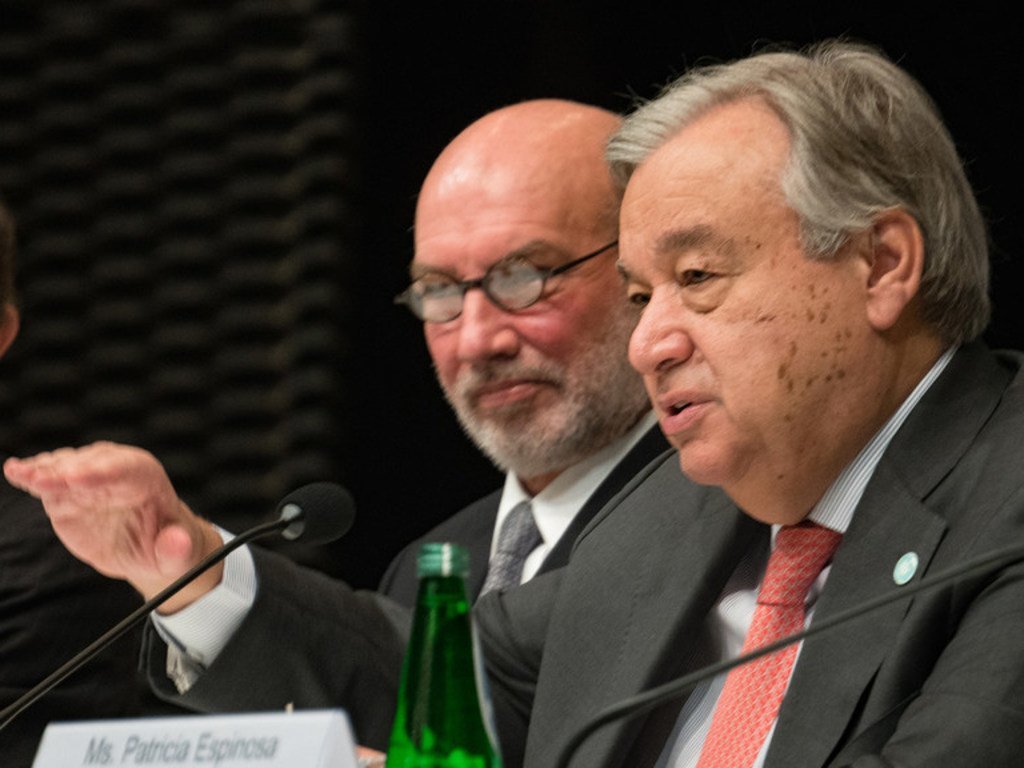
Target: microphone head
{"points": [[320, 512]]}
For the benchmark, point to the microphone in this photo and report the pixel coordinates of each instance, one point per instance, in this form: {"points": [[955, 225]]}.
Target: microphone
{"points": [[655, 697], [334, 511], [318, 512]]}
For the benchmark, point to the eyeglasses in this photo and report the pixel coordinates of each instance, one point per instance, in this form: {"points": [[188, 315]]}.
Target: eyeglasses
{"points": [[511, 284]]}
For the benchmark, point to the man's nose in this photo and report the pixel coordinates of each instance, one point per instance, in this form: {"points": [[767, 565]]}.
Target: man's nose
{"points": [[659, 339], [485, 330]]}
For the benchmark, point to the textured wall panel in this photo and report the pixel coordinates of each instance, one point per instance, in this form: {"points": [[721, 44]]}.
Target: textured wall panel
{"points": [[181, 176]]}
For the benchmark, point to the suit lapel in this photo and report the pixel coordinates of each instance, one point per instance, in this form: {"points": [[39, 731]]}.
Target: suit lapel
{"points": [[647, 449], [892, 520], [671, 547], [889, 524]]}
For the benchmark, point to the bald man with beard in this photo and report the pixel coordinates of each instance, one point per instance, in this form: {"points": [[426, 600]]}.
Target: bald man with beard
{"points": [[545, 391]]}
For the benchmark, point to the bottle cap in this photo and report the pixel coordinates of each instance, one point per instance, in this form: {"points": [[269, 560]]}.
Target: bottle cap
{"points": [[442, 559]]}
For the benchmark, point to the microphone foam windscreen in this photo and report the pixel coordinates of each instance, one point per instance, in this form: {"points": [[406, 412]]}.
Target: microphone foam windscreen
{"points": [[328, 511]]}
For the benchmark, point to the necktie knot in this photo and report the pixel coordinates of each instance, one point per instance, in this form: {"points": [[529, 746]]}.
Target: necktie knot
{"points": [[801, 552]]}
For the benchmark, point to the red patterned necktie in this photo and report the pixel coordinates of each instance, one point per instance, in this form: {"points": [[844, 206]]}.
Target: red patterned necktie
{"points": [[753, 692]]}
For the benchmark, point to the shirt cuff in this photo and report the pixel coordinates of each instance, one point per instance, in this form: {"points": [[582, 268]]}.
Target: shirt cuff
{"points": [[202, 629]]}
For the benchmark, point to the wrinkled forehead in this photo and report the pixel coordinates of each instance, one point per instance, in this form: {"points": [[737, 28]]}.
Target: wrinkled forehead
{"points": [[464, 233]]}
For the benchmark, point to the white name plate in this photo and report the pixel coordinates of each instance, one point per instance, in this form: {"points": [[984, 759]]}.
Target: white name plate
{"points": [[304, 739]]}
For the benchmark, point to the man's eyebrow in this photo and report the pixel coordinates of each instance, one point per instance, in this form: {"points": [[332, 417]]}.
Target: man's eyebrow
{"points": [[674, 242], [526, 250], [702, 240], [418, 270], [677, 240]]}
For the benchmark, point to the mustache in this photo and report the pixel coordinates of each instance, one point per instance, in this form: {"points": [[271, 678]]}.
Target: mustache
{"points": [[472, 380]]}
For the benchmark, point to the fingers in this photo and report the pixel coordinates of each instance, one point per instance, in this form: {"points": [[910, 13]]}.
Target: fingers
{"points": [[25, 473], [99, 461], [100, 473]]}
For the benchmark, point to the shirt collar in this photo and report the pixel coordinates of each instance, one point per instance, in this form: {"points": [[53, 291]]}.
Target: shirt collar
{"points": [[556, 506], [835, 509]]}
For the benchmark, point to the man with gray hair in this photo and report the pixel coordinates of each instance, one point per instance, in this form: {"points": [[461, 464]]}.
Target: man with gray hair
{"points": [[812, 271]]}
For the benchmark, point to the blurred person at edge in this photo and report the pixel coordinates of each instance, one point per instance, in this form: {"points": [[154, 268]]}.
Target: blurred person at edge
{"points": [[52, 605]]}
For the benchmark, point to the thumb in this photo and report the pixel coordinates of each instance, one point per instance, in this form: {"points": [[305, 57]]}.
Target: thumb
{"points": [[175, 551]]}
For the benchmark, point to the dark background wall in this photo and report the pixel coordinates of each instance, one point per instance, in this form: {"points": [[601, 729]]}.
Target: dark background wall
{"points": [[215, 201]]}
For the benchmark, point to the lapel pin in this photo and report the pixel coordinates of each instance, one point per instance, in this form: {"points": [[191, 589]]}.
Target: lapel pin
{"points": [[905, 568]]}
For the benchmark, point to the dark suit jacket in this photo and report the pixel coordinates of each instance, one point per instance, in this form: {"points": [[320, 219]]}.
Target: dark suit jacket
{"points": [[473, 527], [936, 679], [350, 643], [51, 607]]}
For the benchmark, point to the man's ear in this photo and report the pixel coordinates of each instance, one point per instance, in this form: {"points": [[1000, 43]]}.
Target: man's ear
{"points": [[9, 324], [894, 250]]}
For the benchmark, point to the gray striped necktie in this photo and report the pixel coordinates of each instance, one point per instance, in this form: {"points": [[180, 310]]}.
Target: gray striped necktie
{"points": [[518, 538]]}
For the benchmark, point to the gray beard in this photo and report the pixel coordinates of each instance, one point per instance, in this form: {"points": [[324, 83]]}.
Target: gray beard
{"points": [[591, 413]]}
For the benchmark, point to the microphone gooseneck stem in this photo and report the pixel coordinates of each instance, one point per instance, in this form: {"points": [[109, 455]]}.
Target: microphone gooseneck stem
{"points": [[58, 675], [654, 697]]}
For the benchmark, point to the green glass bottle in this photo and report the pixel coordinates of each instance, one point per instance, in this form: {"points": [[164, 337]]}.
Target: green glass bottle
{"points": [[443, 719]]}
